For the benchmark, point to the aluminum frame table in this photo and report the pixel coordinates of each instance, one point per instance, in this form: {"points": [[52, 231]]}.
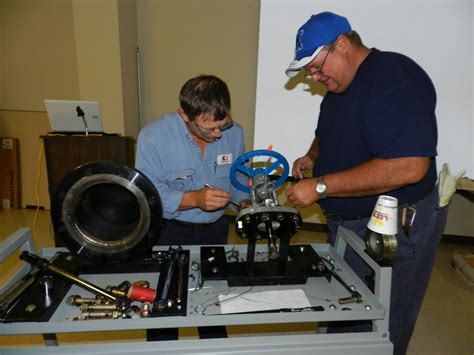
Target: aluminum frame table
{"points": [[319, 291]]}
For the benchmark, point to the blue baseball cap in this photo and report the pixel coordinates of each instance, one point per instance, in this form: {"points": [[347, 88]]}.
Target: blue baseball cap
{"points": [[319, 30]]}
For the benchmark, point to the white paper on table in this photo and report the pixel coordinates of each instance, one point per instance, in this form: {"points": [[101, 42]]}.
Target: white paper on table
{"points": [[263, 301]]}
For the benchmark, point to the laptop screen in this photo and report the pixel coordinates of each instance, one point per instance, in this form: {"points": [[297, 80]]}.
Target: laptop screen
{"points": [[74, 116]]}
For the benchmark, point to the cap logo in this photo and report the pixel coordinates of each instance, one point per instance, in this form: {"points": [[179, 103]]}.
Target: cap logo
{"points": [[299, 42]]}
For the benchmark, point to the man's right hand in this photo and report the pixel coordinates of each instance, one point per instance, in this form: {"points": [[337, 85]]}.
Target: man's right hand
{"points": [[213, 199], [301, 165]]}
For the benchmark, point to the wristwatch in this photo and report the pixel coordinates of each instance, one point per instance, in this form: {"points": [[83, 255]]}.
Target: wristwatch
{"points": [[320, 187]]}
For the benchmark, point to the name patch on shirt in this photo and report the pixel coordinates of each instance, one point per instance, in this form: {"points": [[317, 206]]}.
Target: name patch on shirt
{"points": [[224, 159]]}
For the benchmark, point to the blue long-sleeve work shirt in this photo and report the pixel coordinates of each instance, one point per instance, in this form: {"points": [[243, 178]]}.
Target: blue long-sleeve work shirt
{"points": [[173, 161]]}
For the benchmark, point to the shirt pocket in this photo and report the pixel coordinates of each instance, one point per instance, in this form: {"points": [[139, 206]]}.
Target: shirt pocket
{"points": [[223, 176], [180, 180]]}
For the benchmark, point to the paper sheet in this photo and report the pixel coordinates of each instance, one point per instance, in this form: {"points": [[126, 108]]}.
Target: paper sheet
{"points": [[263, 301]]}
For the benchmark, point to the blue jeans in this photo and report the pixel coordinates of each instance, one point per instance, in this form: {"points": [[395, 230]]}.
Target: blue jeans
{"points": [[411, 269]]}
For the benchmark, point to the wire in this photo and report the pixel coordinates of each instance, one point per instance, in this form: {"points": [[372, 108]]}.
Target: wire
{"points": [[38, 180], [212, 258], [201, 308]]}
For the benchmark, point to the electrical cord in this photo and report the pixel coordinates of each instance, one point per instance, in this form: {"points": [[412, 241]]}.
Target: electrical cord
{"points": [[38, 180], [197, 266], [201, 308]]}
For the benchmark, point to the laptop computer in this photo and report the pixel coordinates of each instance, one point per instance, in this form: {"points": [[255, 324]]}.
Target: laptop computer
{"points": [[73, 117]]}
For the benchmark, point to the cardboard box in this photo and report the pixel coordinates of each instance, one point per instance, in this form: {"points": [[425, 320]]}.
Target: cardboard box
{"points": [[9, 174]]}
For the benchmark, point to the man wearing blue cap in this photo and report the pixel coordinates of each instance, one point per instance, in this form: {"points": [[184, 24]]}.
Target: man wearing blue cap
{"points": [[376, 134]]}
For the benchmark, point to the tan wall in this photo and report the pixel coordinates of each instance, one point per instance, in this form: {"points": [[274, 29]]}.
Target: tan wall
{"points": [[98, 57], [37, 61], [64, 49], [180, 39], [37, 53], [127, 18]]}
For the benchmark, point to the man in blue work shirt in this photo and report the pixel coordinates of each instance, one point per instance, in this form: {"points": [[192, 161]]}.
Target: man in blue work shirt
{"points": [[376, 134], [187, 155]]}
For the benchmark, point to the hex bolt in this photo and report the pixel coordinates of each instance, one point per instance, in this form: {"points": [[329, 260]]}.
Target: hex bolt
{"points": [[114, 290], [132, 312], [145, 310], [321, 266], [100, 315], [296, 223], [98, 307], [247, 219], [76, 300], [354, 298]]}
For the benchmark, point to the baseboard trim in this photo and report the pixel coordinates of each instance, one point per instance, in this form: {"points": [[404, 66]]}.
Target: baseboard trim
{"points": [[457, 239], [33, 207]]}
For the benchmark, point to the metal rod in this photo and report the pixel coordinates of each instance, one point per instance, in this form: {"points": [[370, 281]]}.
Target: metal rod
{"points": [[43, 263], [91, 287], [272, 248], [162, 302], [181, 264]]}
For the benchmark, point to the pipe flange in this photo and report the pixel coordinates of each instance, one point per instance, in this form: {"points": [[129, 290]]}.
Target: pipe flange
{"points": [[107, 212]]}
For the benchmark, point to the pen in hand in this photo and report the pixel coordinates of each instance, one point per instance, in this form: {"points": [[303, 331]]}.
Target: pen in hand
{"points": [[230, 201]]}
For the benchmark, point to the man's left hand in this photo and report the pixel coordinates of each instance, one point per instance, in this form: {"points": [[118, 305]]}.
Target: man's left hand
{"points": [[302, 193], [245, 203]]}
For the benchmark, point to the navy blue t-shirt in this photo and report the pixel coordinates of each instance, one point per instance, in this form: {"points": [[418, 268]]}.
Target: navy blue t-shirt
{"points": [[388, 111]]}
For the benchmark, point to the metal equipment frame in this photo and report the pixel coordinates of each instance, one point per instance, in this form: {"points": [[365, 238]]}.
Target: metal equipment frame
{"points": [[324, 295]]}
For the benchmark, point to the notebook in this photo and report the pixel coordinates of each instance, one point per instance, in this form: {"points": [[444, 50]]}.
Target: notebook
{"points": [[67, 116]]}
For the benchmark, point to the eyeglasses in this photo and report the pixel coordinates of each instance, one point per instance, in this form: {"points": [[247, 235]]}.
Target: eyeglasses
{"points": [[207, 131], [311, 71]]}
